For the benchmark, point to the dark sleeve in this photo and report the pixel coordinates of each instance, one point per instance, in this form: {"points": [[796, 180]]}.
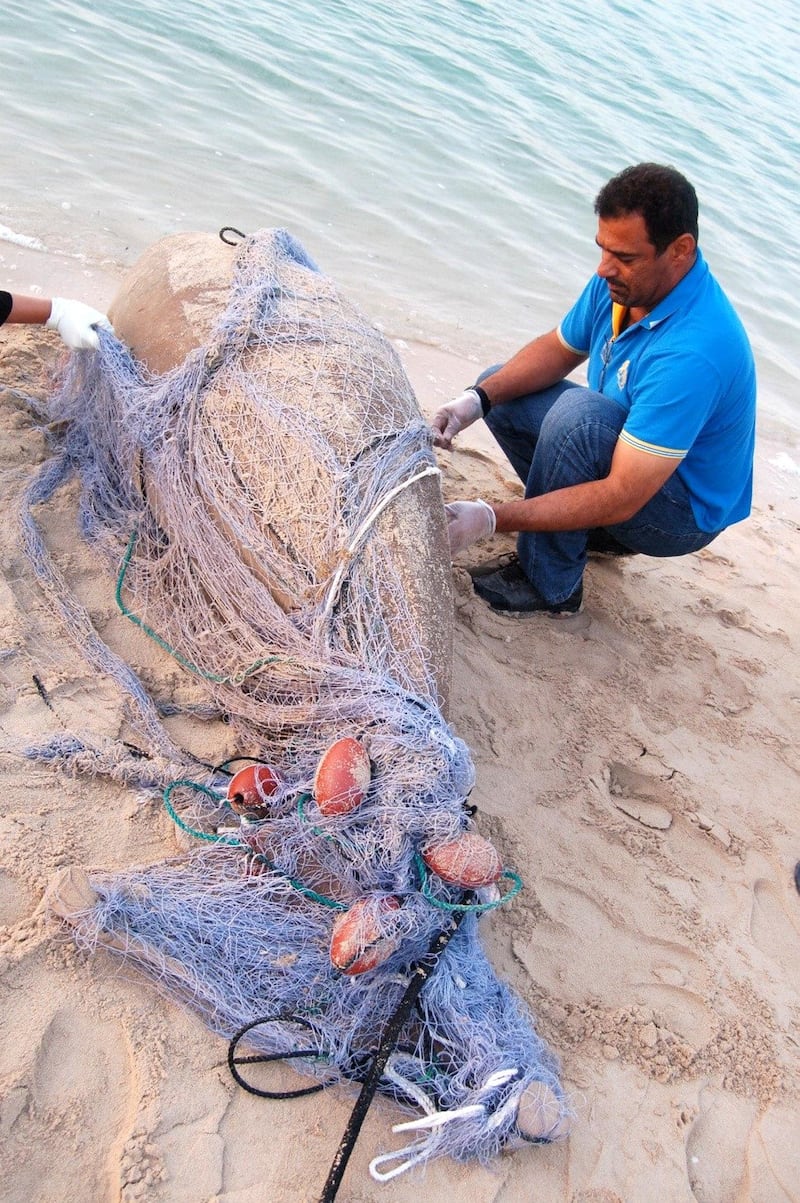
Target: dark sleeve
{"points": [[6, 301]]}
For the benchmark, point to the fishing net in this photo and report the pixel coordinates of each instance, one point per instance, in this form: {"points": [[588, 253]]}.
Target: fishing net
{"points": [[269, 504]]}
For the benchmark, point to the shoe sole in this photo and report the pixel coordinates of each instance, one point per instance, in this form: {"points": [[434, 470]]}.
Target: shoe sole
{"points": [[530, 613]]}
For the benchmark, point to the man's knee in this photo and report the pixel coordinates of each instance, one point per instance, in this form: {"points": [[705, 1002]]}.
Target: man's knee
{"points": [[577, 404], [580, 413]]}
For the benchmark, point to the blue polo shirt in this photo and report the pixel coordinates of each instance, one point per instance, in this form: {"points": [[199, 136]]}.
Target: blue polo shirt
{"points": [[685, 375]]}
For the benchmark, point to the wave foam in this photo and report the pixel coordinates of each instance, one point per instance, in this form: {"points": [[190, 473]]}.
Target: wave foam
{"points": [[9, 235]]}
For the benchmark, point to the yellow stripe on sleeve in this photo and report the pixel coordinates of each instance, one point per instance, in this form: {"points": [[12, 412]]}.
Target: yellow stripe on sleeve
{"points": [[652, 448], [569, 346]]}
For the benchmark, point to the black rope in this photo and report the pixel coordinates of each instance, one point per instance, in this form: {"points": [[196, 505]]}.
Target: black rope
{"points": [[420, 974], [266, 1058], [224, 765], [240, 237], [357, 1070]]}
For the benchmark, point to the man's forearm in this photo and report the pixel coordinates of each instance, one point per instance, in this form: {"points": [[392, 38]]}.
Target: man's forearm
{"points": [[33, 310], [579, 507]]}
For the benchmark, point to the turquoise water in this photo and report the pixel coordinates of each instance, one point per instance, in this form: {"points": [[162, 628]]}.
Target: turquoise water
{"points": [[439, 158]]}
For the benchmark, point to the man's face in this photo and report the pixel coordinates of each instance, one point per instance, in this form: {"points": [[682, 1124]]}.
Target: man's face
{"points": [[636, 276]]}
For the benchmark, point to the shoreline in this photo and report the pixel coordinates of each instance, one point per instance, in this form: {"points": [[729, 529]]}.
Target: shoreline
{"points": [[44, 272]]}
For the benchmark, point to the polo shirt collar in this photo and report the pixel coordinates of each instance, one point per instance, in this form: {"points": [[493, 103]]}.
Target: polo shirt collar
{"points": [[681, 295]]}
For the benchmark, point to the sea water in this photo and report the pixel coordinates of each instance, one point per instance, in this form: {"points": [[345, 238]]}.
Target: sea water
{"points": [[440, 158]]}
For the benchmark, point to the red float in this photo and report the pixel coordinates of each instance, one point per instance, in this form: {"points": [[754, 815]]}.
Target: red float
{"points": [[364, 936], [469, 861], [250, 789], [342, 777]]}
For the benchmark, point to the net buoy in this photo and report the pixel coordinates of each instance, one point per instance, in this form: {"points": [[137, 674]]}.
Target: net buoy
{"points": [[250, 789], [469, 861], [342, 777], [364, 936]]}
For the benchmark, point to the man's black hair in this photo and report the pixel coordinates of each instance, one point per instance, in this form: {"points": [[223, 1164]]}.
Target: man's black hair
{"points": [[664, 197]]}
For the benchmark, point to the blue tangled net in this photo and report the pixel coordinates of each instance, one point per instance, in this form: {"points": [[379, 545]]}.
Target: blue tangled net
{"points": [[297, 623]]}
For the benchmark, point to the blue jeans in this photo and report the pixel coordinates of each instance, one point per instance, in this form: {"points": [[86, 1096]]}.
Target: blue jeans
{"points": [[566, 435]]}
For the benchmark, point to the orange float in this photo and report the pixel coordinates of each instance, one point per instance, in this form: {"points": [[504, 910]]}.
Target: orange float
{"points": [[342, 777], [469, 861], [250, 789], [362, 938]]}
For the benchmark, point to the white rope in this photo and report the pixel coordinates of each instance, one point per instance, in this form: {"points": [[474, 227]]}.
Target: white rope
{"points": [[433, 1121], [438, 1118], [362, 532], [409, 1088], [421, 1150], [499, 1078]]}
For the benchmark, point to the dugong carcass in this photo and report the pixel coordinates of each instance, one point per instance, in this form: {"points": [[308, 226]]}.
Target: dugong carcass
{"points": [[302, 450]]}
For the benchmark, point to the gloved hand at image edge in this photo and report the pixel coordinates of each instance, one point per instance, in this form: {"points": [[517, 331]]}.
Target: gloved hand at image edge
{"points": [[467, 522], [75, 322], [456, 416]]}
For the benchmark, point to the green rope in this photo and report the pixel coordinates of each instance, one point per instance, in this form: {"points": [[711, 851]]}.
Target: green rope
{"points": [[232, 843], [306, 891], [346, 845], [301, 810], [215, 678], [198, 835], [475, 908]]}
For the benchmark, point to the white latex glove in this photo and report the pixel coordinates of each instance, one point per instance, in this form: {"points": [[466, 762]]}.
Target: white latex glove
{"points": [[455, 416], [74, 321], [468, 521]]}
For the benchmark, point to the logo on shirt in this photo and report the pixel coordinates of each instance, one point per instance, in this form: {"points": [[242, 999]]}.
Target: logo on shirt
{"points": [[622, 375]]}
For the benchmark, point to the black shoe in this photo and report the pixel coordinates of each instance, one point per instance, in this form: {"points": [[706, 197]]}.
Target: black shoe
{"points": [[487, 567], [600, 543], [509, 589]]}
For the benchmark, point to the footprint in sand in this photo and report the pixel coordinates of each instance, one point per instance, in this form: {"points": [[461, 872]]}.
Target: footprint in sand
{"points": [[773, 931], [724, 690], [716, 1148], [727, 693], [639, 795], [713, 557], [71, 1113], [648, 971]]}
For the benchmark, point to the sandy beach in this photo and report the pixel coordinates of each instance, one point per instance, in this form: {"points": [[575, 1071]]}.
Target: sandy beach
{"points": [[637, 764]]}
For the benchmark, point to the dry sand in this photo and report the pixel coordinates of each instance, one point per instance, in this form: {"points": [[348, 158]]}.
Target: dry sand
{"points": [[637, 764]]}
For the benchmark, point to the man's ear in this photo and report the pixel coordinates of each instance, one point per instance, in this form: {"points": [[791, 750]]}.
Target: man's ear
{"points": [[683, 247]]}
